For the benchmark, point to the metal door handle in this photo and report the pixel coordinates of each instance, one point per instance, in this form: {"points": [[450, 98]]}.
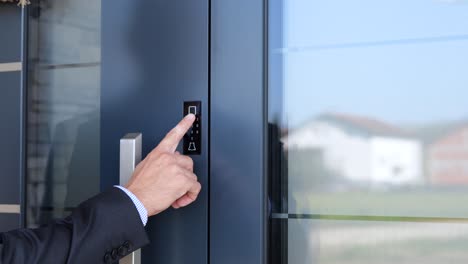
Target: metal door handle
{"points": [[130, 156]]}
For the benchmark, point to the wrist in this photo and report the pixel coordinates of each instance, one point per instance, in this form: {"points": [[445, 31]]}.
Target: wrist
{"points": [[146, 201]]}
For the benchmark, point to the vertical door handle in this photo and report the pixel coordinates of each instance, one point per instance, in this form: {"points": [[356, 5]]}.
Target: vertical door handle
{"points": [[130, 156]]}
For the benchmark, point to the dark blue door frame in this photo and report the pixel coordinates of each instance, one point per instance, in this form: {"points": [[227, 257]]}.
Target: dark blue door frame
{"points": [[238, 213]]}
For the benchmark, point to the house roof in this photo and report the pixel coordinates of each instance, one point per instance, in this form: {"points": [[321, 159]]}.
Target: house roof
{"points": [[438, 132], [364, 125]]}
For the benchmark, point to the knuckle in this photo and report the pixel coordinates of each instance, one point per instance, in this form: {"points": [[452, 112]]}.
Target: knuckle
{"points": [[196, 191], [161, 156], [153, 155], [188, 182], [187, 179], [166, 158]]}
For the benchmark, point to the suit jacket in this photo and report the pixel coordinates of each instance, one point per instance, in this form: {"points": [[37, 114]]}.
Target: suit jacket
{"points": [[103, 229]]}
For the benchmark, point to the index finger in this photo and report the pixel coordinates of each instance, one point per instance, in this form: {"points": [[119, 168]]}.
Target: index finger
{"points": [[172, 139]]}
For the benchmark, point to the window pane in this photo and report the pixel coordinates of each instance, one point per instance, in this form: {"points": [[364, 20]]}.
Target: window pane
{"points": [[64, 103], [368, 117], [357, 242]]}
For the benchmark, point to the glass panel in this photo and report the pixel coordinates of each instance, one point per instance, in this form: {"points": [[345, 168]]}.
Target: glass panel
{"points": [[357, 242], [368, 120], [64, 103]]}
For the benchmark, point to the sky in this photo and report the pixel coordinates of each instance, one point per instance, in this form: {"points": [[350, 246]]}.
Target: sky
{"points": [[401, 61]]}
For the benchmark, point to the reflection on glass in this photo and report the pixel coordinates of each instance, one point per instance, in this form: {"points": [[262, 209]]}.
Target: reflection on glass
{"points": [[368, 119], [348, 164], [357, 242], [63, 107]]}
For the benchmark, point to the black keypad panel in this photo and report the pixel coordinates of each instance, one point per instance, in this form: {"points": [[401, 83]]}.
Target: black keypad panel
{"points": [[192, 140]]}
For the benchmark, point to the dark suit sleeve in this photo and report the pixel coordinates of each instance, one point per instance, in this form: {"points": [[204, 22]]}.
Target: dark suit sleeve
{"points": [[101, 230]]}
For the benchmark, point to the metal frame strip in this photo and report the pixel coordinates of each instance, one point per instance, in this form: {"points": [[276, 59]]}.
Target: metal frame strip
{"points": [[11, 66], [10, 209]]}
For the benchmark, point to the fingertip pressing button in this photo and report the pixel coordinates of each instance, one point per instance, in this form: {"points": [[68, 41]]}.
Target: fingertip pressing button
{"points": [[192, 110], [192, 140]]}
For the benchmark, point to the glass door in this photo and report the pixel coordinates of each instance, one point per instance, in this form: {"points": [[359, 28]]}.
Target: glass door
{"points": [[63, 117], [368, 131]]}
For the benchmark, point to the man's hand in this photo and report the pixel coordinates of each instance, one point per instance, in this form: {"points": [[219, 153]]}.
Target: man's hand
{"points": [[165, 177]]}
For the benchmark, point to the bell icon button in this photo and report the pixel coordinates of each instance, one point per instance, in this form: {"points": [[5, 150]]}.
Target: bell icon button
{"points": [[192, 146], [193, 138]]}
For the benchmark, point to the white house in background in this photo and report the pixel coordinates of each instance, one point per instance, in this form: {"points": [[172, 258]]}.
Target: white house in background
{"points": [[361, 149]]}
